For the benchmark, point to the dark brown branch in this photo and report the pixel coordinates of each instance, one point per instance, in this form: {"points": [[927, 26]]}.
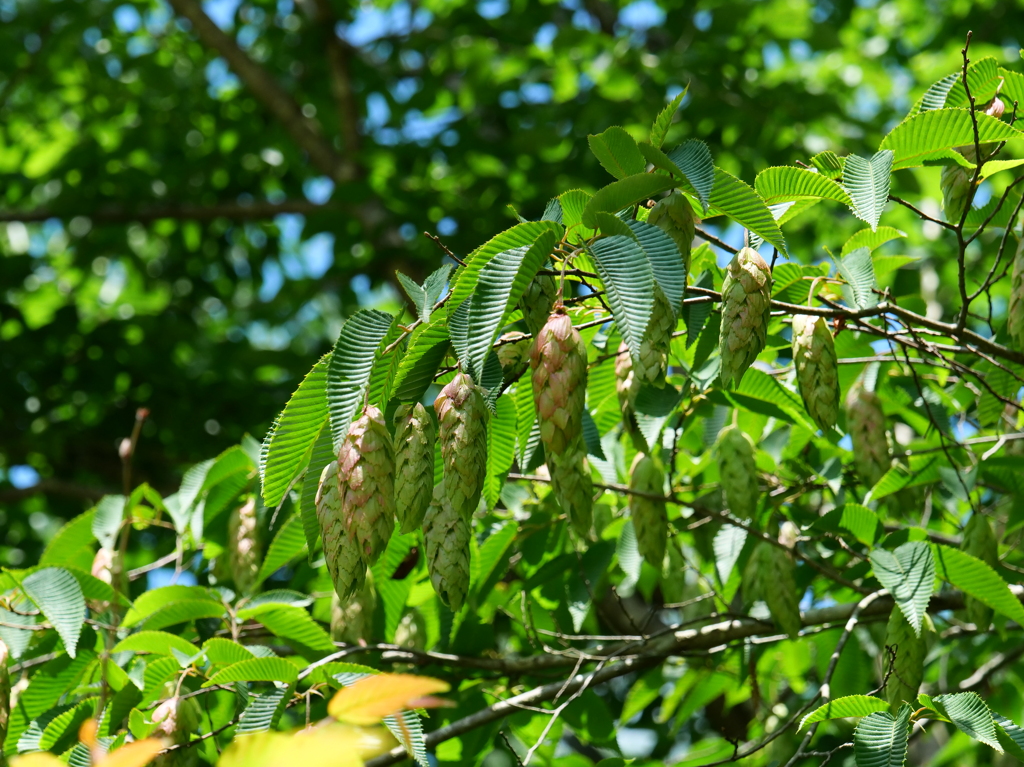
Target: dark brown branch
{"points": [[278, 102], [54, 487]]}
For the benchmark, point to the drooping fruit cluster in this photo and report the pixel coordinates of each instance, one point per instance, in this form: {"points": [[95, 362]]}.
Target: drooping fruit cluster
{"points": [[770, 577], [558, 359], [366, 482], [352, 621], [537, 301], [817, 369], [746, 308], [462, 418], [737, 471], [908, 667], [341, 552], [245, 551], [1015, 311], [955, 184], [651, 363], [414, 464], [980, 542], [650, 519], [865, 423], [674, 215], [176, 718], [446, 535]]}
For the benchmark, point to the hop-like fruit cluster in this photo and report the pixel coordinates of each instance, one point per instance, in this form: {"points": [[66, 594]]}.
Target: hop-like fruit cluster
{"points": [[1015, 311], [574, 487], [817, 369], [908, 668], [651, 363], [537, 301], [650, 519], [245, 551], [865, 422], [770, 577], [176, 718], [558, 359], [626, 382], [980, 542], [674, 215], [513, 352], [366, 483], [462, 416], [737, 471], [342, 553], [352, 621], [414, 464], [746, 309], [955, 185], [446, 535]]}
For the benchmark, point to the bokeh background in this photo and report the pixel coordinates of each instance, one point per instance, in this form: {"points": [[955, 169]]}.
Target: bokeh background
{"points": [[194, 195]]}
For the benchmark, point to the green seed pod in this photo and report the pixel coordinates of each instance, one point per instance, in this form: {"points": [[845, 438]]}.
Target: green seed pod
{"points": [[817, 369], [446, 535], [674, 215], [341, 551], [738, 472], [352, 622], [908, 670], [770, 576], [650, 518], [366, 482], [537, 301], [462, 416], [980, 542], [513, 352], [574, 487], [626, 383], [651, 363], [955, 185], [559, 362], [746, 309], [865, 423], [5, 695], [245, 552], [1015, 311], [414, 464]]}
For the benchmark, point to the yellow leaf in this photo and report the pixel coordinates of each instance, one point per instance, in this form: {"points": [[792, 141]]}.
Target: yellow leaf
{"points": [[38, 759], [329, 745], [372, 698], [134, 754]]}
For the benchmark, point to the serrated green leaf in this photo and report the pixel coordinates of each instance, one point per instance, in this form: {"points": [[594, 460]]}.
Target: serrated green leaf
{"points": [[629, 283], [871, 239], [423, 355], [256, 670], [788, 184], [220, 651], [666, 261], [860, 521], [693, 158], [156, 642], [56, 592], [880, 739], [931, 135], [321, 455], [263, 711], [909, 575], [288, 543], [857, 268], [168, 605], [617, 152], [65, 724], [1010, 735], [624, 193], [291, 623], [968, 712], [840, 708], [501, 448], [828, 164], [491, 552], [350, 366], [501, 283], [735, 199], [974, 577], [107, 517], [867, 181], [664, 119], [293, 433], [983, 77], [72, 545], [935, 96]]}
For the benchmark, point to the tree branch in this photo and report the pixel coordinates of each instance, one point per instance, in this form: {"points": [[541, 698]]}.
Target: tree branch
{"points": [[142, 215], [278, 102]]}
